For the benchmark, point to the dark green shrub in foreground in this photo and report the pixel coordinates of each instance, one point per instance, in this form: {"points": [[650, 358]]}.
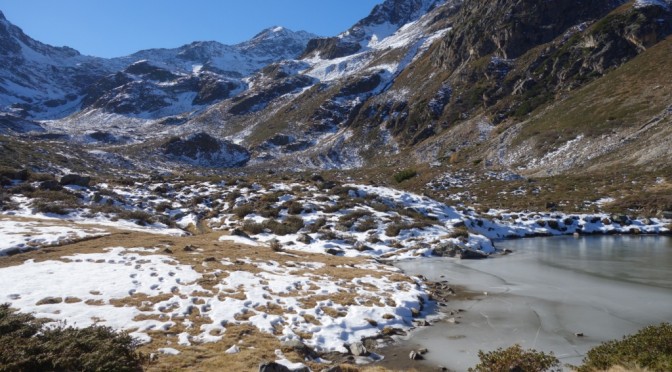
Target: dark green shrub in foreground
{"points": [[649, 348], [26, 346], [405, 175], [516, 359]]}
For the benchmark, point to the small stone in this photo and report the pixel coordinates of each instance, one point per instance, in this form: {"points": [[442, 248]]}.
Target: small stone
{"points": [[415, 312], [414, 355], [168, 250], [188, 248], [358, 349], [210, 259], [579, 334], [423, 351]]}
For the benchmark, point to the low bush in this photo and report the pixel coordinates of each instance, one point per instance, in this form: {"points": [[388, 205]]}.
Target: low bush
{"points": [[252, 227], [459, 232], [291, 225], [404, 175], [650, 348], [25, 345], [366, 224], [315, 226], [516, 359], [243, 210], [294, 207], [141, 217]]}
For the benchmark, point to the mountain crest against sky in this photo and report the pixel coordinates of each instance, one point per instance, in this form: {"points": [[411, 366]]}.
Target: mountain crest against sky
{"points": [[431, 76]]}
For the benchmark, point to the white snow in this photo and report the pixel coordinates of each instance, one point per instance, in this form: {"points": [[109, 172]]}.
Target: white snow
{"points": [[644, 3], [98, 278], [22, 235]]}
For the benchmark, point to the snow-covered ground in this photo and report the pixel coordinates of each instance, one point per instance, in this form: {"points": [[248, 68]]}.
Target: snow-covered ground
{"points": [[24, 235], [320, 284]]}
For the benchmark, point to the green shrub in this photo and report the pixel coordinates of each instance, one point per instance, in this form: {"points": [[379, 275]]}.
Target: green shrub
{"points": [[649, 348], [516, 359], [404, 175], [26, 346]]}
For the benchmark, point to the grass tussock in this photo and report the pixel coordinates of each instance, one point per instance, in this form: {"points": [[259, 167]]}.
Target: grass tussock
{"points": [[404, 175], [25, 345], [650, 348]]}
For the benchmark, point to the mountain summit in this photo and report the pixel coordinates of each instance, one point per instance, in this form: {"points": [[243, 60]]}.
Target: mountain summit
{"points": [[415, 80]]}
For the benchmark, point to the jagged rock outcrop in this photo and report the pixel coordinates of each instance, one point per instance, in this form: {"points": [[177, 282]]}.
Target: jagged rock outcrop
{"points": [[204, 150]]}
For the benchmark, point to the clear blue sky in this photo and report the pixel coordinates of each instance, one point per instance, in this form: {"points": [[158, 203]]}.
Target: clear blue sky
{"points": [[112, 28]]}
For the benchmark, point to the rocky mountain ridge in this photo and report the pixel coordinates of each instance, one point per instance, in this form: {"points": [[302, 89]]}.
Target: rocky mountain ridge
{"points": [[417, 81], [45, 82]]}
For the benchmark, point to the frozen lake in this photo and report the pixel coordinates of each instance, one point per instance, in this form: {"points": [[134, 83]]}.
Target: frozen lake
{"points": [[546, 292]]}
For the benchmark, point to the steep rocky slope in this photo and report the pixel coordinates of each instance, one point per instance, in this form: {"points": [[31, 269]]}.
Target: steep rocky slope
{"points": [[478, 83]]}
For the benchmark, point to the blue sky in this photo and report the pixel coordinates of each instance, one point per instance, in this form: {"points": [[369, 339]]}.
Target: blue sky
{"points": [[112, 28]]}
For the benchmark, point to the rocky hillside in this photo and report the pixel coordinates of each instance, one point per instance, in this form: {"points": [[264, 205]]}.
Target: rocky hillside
{"points": [[539, 88], [44, 82]]}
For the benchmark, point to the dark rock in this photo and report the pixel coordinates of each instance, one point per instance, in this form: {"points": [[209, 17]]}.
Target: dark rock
{"points": [[334, 251], [331, 47], [149, 71], [75, 179], [257, 101], [203, 149], [304, 238], [211, 90], [273, 367], [470, 254], [52, 185]]}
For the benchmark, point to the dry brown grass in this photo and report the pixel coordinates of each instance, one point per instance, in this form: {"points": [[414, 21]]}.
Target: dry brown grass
{"points": [[205, 256]]}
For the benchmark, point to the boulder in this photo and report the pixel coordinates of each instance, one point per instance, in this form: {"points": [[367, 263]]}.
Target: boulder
{"points": [[52, 185]]}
